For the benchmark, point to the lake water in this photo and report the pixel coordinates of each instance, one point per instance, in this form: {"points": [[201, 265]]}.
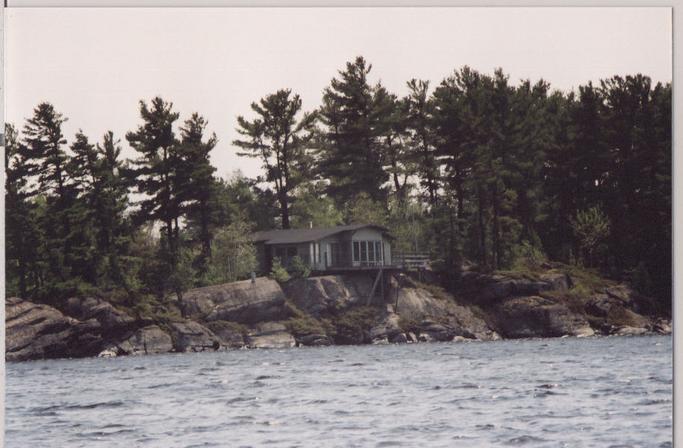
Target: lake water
{"points": [[596, 392]]}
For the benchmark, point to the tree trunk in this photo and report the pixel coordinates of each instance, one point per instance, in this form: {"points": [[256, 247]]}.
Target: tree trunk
{"points": [[496, 228], [461, 202], [284, 210], [482, 228]]}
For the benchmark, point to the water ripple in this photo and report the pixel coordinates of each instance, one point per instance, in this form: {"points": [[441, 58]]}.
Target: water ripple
{"points": [[595, 392]]}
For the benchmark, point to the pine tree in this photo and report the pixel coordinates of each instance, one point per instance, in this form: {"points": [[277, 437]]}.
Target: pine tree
{"points": [[156, 178], [44, 142], [113, 226], [350, 156], [280, 140], [420, 125], [198, 186], [390, 116], [84, 260], [22, 234]]}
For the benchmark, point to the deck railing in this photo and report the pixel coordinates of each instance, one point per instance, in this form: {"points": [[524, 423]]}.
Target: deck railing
{"points": [[411, 260]]}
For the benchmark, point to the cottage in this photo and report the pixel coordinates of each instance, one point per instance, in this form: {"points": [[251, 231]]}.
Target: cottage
{"points": [[342, 247]]}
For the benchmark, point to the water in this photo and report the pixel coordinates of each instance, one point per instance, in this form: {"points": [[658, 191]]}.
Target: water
{"points": [[534, 393]]}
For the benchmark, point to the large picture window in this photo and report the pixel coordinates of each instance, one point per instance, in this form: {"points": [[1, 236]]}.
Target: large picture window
{"points": [[368, 253]]}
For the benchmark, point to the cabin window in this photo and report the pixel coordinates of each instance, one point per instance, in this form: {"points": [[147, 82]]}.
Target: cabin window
{"points": [[285, 254], [368, 252]]}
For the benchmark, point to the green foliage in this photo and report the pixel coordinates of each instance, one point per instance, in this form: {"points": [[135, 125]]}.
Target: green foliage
{"points": [[304, 325], [280, 140], [357, 320], [278, 272], [365, 210], [586, 278], [527, 256], [298, 268], [641, 280], [158, 177], [239, 198], [477, 168], [410, 228], [313, 208], [198, 188], [234, 256], [350, 155], [590, 227]]}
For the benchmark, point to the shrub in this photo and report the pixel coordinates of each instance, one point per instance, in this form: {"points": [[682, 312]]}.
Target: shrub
{"points": [[358, 319], [640, 278], [233, 255], [298, 268], [304, 325], [590, 228], [279, 273], [527, 256]]}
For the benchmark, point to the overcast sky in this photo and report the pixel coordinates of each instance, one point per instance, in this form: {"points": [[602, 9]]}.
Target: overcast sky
{"points": [[95, 65]]}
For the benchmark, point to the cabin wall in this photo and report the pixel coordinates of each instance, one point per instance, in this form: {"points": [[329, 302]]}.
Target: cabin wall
{"points": [[320, 255], [262, 261], [371, 235]]}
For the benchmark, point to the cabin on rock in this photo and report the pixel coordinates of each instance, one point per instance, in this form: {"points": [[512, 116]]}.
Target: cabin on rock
{"points": [[356, 246]]}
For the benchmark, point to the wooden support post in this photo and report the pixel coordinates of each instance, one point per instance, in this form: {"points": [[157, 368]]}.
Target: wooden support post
{"points": [[398, 287], [374, 286]]}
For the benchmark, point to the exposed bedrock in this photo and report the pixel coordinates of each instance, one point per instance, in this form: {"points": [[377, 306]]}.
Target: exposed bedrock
{"points": [[329, 294], [334, 309], [244, 302]]}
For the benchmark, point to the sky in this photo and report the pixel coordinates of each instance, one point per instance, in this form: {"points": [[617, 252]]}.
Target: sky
{"points": [[96, 64]]}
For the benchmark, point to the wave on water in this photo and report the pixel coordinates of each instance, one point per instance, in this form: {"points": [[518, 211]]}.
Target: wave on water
{"points": [[516, 394]]}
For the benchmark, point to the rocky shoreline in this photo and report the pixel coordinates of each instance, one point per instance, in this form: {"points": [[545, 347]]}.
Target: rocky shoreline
{"points": [[329, 310]]}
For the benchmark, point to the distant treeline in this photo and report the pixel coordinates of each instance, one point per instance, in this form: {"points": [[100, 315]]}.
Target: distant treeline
{"points": [[474, 168]]}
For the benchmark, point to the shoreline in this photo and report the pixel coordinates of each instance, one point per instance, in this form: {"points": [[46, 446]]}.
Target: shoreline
{"points": [[334, 310], [326, 347]]}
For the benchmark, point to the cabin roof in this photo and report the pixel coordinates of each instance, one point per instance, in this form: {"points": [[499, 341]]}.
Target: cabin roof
{"points": [[294, 236]]}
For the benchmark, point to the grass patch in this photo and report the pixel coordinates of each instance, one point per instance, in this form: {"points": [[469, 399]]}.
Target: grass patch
{"points": [[358, 319], [521, 274], [304, 325], [149, 307], [301, 323], [587, 279], [233, 327]]}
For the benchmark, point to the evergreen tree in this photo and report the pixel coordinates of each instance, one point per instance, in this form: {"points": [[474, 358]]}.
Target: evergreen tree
{"points": [[156, 174], [198, 186], [81, 167], [44, 143], [280, 140], [350, 157], [420, 125], [110, 205], [390, 116], [22, 234]]}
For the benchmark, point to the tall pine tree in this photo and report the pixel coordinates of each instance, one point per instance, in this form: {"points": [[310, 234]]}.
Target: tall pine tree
{"points": [[280, 139]]}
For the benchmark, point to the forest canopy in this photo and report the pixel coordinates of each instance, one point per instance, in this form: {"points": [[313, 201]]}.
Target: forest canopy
{"points": [[475, 168]]}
